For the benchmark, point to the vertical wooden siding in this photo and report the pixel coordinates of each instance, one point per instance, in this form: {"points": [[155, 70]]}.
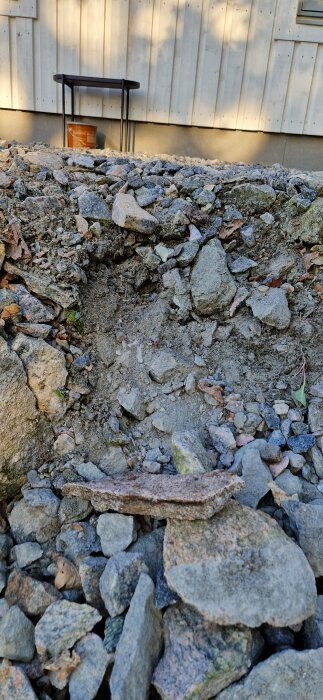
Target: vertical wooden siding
{"points": [[213, 63]]}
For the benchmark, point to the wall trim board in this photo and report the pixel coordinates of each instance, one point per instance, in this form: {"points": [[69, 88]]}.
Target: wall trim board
{"points": [[19, 8]]}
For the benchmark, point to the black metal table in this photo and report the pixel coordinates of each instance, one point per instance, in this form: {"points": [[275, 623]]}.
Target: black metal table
{"points": [[122, 84]]}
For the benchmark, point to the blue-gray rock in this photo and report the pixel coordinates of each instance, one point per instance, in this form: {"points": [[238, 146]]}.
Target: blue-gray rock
{"points": [[270, 417], [299, 428], [91, 206], [277, 438], [301, 443], [116, 532], [62, 625], [85, 681], [139, 647], [119, 580], [35, 517], [289, 675], [112, 632], [200, 657], [26, 553], [89, 471], [256, 476], [290, 483], [241, 264], [90, 571], [78, 540], [17, 636]]}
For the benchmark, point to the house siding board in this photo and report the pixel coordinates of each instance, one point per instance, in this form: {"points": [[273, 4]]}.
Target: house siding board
{"points": [[233, 64], [5, 63]]}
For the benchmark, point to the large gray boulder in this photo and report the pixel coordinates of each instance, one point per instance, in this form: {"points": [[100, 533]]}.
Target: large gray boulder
{"points": [[212, 286], [200, 657], [139, 647], [18, 422], [239, 567], [289, 675]]}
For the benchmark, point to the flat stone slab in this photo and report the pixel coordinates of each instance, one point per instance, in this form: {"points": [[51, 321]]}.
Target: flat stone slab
{"points": [[184, 496]]}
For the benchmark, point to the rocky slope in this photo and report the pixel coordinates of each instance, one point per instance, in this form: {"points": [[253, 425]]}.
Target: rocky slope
{"points": [[160, 327]]}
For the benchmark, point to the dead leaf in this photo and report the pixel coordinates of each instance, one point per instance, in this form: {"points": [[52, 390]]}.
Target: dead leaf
{"points": [[273, 282], [67, 575], [214, 391], [16, 246], [63, 665], [228, 230]]}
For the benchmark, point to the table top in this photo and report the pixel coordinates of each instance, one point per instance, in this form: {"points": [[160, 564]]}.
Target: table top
{"points": [[86, 81]]}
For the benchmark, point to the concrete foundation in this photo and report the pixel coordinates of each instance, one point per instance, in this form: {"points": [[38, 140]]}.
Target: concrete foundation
{"points": [[303, 152]]}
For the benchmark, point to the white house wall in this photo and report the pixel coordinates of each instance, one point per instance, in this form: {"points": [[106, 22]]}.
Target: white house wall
{"points": [[233, 64]]}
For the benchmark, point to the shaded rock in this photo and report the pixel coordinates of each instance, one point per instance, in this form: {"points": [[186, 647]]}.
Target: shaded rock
{"points": [[313, 627], [119, 580], [150, 546], [91, 206], [73, 509], [14, 684], [32, 596], [62, 625], [18, 427], [188, 253], [317, 459], [189, 454], [116, 532], [39, 206], [139, 647], [278, 638], [132, 402], [271, 307], [46, 371], [163, 594], [128, 214], [112, 632], [5, 546], [306, 520], [289, 675], [239, 568], [45, 286], [256, 476], [200, 657], [34, 518], [90, 571], [183, 496], [17, 636], [236, 467], [290, 483], [85, 681], [308, 227], [251, 198], [212, 286]]}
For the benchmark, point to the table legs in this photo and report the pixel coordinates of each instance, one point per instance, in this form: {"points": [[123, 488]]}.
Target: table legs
{"points": [[63, 109], [127, 119], [121, 116]]}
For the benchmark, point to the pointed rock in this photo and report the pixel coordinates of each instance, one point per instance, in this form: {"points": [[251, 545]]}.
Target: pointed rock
{"points": [[128, 214], [212, 285]]}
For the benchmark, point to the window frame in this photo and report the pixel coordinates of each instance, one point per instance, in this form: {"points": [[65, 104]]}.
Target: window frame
{"points": [[308, 15]]}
